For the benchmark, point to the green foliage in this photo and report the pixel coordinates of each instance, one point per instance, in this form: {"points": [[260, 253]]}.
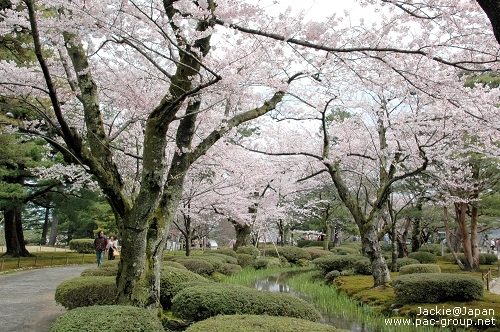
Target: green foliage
{"points": [[86, 291], [171, 279], [292, 254], [258, 323], [316, 253], [343, 250], [260, 263], [250, 250], [229, 269], [221, 257], [199, 266], [313, 243], [199, 303], [423, 257], [228, 252], [487, 259], [245, 260], [100, 271], [331, 276], [108, 318], [82, 246], [436, 288], [419, 268], [406, 261], [362, 266], [173, 264], [336, 262], [433, 248]]}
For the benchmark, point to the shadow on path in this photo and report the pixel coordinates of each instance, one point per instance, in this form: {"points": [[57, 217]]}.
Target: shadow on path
{"points": [[27, 298]]}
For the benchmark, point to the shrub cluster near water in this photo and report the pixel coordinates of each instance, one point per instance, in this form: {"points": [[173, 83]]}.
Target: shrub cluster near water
{"points": [[108, 318], [436, 288], [258, 323], [200, 302]]}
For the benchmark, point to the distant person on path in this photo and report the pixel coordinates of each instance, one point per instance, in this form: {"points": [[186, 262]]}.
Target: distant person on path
{"points": [[111, 247], [100, 244]]}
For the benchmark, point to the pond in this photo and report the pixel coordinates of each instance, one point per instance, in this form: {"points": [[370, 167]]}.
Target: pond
{"points": [[278, 284]]}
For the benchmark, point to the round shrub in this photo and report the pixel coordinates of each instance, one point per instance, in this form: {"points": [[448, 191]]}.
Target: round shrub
{"points": [[345, 251], [228, 252], [258, 323], [419, 268], [292, 254], [199, 266], [245, 260], [423, 257], [406, 261], [173, 264], [108, 318], [250, 250], [229, 269], [336, 262], [201, 302], [260, 263], [331, 276], [437, 288], [82, 246], [489, 259], [86, 292], [223, 258], [362, 266], [316, 252], [100, 271], [433, 248], [171, 278]]}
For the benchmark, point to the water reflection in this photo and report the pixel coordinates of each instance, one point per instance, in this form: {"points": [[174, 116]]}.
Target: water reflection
{"points": [[278, 284]]}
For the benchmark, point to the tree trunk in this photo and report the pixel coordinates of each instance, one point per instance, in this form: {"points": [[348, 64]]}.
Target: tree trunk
{"points": [[371, 248], [53, 229], [461, 215], [45, 229], [242, 234], [14, 237]]}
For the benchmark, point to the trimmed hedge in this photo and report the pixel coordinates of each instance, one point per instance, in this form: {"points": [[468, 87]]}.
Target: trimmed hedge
{"points": [[292, 254], [486, 259], [258, 323], [170, 279], [82, 246], [200, 302], [223, 258], [173, 264], [230, 269], [108, 318], [423, 257], [249, 250], [199, 266], [245, 260], [341, 250], [264, 263], [362, 266], [419, 268], [434, 248], [228, 252], [317, 252], [437, 288], [406, 261], [100, 271], [336, 262], [86, 292]]}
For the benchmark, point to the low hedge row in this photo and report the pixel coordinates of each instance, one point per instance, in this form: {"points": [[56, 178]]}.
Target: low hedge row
{"points": [[485, 259], [200, 302], [245, 260], [419, 268], [258, 323], [82, 246], [171, 281], [249, 250], [436, 288], [291, 254], [86, 291], [336, 262], [423, 257], [313, 243], [317, 252], [405, 261], [108, 318], [345, 250]]}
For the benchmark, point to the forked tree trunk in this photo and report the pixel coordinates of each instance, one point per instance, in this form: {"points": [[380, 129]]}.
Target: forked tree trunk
{"points": [[242, 234], [371, 248], [14, 237]]}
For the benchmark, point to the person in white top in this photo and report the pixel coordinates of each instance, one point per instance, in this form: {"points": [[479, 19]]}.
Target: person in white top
{"points": [[112, 247]]}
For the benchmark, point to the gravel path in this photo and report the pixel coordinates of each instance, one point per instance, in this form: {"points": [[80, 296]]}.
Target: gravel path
{"points": [[27, 298]]}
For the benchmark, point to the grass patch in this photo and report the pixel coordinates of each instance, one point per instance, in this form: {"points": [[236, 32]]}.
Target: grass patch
{"points": [[44, 259]]}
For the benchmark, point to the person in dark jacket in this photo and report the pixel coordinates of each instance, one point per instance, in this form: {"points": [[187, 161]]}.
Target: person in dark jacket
{"points": [[100, 243]]}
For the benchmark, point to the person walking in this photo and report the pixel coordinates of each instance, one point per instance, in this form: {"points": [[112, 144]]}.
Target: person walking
{"points": [[100, 244], [112, 247]]}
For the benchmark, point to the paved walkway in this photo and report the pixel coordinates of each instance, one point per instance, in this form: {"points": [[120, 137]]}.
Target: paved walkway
{"points": [[27, 298]]}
